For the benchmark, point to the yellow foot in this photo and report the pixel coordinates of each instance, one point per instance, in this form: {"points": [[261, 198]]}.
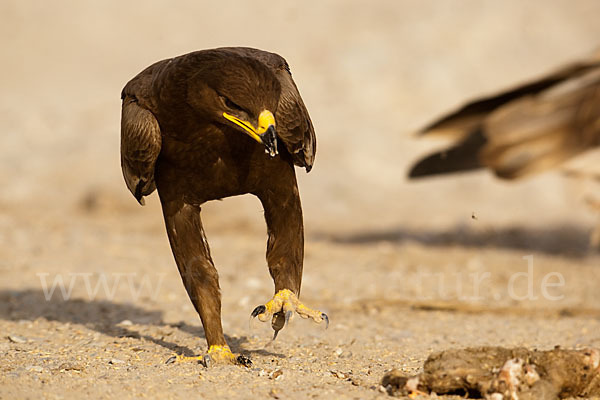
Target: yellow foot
{"points": [[281, 308], [219, 354]]}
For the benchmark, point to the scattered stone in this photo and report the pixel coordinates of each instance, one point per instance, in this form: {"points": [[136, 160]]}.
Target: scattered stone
{"points": [[70, 367], [276, 375], [35, 368], [125, 322], [339, 374], [354, 381], [116, 361], [17, 339]]}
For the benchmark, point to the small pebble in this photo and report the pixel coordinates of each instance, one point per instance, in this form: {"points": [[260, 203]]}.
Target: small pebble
{"points": [[17, 339], [71, 367], [338, 374], [126, 322], [276, 375], [115, 361], [35, 368]]}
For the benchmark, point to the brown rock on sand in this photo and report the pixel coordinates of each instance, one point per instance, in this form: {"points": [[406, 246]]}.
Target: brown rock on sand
{"points": [[499, 373]]}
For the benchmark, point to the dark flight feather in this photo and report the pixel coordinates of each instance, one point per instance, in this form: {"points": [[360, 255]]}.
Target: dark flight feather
{"points": [[528, 129], [140, 146]]}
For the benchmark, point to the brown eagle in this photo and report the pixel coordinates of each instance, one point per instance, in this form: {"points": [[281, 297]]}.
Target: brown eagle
{"points": [[213, 124], [524, 130]]}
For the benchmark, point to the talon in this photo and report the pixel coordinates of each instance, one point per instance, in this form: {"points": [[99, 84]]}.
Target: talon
{"points": [[206, 360], [326, 318], [277, 323], [217, 354], [182, 358], [244, 361], [171, 360], [282, 307], [288, 315], [258, 310]]}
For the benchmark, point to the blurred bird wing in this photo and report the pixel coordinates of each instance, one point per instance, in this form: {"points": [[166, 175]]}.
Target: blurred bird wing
{"points": [[540, 131], [526, 129], [460, 123], [140, 146]]}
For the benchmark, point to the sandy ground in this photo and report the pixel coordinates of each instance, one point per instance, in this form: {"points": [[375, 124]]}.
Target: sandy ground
{"points": [[402, 268]]}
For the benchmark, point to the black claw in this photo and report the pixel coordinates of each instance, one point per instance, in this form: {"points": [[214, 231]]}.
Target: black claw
{"points": [[326, 318], [206, 360], [171, 360], [258, 310], [275, 335], [244, 361], [278, 321]]}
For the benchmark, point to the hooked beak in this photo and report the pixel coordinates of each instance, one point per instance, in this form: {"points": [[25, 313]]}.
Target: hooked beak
{"points": [[265, 133]]}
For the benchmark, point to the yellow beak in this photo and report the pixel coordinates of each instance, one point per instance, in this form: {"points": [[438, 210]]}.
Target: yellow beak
{"points": [[265, 121]]}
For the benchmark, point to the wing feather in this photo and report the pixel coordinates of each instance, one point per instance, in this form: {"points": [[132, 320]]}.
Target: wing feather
{"points": [[458, 123], [140, 146], [294, 126], [524, 130], [536, 133]]}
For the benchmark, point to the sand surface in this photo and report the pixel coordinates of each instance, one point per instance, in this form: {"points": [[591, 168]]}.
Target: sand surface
{"points": [[402, 268]]}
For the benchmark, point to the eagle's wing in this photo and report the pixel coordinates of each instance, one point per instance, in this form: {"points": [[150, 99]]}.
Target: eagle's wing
{"points": [[458, 123], [141, 137], [140, 146], [294, 127], [533, 134], [523, 130]]}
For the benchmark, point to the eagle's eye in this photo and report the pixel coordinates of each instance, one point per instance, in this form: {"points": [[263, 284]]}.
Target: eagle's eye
{"points": [[231, 105]]}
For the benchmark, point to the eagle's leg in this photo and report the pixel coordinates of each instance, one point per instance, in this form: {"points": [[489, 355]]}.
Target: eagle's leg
{"points": [[200, 278], [285, 254]]}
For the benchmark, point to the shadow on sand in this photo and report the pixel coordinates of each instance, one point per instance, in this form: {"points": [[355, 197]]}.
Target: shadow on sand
{"points": [[102, 316], [570, 241]]}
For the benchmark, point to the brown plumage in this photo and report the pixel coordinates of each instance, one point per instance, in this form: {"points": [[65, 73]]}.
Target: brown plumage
{"points": [[213, 124], [524, 130]]}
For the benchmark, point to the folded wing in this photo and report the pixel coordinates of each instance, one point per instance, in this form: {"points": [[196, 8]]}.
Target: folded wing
{"points": [[140, 146]]}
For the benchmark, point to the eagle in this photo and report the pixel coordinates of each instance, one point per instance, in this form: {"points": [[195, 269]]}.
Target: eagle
{"points": [[209, 125], [524, 130]]}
